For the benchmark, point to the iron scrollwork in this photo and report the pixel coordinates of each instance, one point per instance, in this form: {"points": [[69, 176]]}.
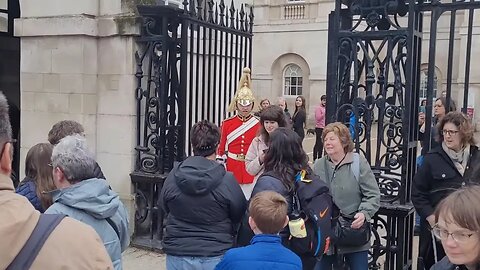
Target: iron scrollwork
{"points": [[176, 44], [367, 91]]}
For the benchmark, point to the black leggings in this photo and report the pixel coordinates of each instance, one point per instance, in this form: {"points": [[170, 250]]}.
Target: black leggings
{"points": [[318, 148]]}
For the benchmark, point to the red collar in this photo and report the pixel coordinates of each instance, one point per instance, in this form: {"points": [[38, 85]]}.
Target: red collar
{"points": [[244, 118]]}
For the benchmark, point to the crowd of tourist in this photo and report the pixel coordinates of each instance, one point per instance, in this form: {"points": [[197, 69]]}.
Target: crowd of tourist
{"points": [[247, 198]]}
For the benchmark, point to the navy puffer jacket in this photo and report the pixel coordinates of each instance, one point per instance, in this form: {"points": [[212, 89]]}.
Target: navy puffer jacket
{"points": [[28, 189]]}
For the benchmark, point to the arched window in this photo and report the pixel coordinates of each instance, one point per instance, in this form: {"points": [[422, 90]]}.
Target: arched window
{"points": [[424, 84], [292, 80]]}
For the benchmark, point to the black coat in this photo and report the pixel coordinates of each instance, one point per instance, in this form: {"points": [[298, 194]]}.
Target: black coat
{"points": [[434, 181], [299, 122], [438, 177], [203, 204], [97, 172]]}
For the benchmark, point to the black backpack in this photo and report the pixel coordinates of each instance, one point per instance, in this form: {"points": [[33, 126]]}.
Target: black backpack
{"points": [[312, 199]]}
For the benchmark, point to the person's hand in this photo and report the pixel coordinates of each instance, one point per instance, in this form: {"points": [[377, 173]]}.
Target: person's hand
{"points": [[261, 158], [421, 118], [431, 220], [359, 220]]}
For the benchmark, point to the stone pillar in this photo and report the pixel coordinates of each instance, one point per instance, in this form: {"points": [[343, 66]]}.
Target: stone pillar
{"points": [[77, 62]]}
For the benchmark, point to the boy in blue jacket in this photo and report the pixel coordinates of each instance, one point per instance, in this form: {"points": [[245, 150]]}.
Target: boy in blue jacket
{"points": [[268, 216]]}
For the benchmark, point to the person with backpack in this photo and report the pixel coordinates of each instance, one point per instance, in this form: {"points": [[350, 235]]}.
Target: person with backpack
{"points": [[35, 241], [88, 199], [268, 216], [355, 193], [287, 172]]}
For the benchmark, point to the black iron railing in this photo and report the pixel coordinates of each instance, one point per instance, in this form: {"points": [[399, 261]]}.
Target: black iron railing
{"points": [[188, 63], [373, 81]]}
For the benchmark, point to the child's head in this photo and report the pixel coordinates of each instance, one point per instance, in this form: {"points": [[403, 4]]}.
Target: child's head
{"points": [[268, 213]]}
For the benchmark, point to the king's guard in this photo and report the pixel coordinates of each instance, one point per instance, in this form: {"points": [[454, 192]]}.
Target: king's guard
{"points": [[238, 132]]}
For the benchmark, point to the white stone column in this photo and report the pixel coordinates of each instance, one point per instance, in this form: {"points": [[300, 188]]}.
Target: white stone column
{"points": [[77, 62]]}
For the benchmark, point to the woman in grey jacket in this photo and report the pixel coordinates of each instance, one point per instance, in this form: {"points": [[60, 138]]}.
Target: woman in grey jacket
{"points": [[354, 189]]}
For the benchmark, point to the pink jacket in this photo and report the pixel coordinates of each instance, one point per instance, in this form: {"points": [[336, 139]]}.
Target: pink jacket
{"points": [[320, 117]]}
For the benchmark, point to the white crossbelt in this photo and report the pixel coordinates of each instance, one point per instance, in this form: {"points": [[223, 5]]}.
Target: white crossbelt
{"points": [[240, 130]]}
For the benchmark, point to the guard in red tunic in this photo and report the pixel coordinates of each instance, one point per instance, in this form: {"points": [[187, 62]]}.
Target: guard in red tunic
{"points": [[238, 132]]}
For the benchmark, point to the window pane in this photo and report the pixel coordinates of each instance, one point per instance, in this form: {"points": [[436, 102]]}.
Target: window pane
{"points": [[3, 22], [300, 81], [3, 4], [299, 90]]}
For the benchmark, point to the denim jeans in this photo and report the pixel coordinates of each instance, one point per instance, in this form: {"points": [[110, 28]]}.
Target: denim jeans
{"points": [[192, 263], [355, 261]]}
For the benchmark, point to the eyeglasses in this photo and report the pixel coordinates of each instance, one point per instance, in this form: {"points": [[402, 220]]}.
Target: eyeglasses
{"points": [[449, 132], [443, 234]]}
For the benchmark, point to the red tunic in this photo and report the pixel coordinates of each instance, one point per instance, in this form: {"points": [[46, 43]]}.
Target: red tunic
{"points": [[241, 133]]}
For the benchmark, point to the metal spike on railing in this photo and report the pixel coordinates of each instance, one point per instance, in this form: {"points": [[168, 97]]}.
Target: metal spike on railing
{"points": [[222, 12], [210, 4], [185, 6], [242, 19], [192, 8], [200, 9], [216, 14], [251, 16], [232, 15]]}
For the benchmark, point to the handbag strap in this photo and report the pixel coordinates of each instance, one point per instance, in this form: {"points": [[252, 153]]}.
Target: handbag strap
{"points": [[45, 226]]}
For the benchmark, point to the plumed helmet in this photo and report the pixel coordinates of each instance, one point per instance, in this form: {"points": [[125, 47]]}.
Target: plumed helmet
{"points": [[244, 95]]}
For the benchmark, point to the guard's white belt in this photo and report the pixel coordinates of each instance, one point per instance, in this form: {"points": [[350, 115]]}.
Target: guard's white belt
{"points": [[239, 157]]}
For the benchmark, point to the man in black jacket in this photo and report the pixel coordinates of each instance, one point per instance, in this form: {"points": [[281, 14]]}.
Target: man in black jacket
{"points": [[66, 128], [203, 204]]}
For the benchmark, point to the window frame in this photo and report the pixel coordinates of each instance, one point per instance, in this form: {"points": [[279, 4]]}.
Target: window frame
{"points": [[290, 86]]}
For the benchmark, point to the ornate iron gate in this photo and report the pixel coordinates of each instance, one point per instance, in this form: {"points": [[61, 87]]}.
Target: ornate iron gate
{"points": [[373, 83], [188, 63]]}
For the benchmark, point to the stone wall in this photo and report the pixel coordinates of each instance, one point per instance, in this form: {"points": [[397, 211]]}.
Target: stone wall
{"points": [[77, 62]]}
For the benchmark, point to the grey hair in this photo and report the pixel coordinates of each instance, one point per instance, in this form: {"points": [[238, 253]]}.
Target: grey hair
{"points": [[72, 156], [5, 126]]}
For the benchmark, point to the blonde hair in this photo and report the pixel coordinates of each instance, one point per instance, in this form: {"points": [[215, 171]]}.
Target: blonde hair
{"points": [[269, 211]]}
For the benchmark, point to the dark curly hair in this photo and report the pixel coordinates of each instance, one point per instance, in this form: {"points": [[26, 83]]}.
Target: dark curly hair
{"points": [[285, 156], [271, 113], [204, 138], [462, 122]]}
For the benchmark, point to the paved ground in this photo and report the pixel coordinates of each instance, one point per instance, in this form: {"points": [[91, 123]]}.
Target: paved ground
{"points": [[134, 258]]}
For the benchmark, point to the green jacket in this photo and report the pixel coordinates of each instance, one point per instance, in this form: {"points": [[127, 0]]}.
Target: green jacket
{"points": [[350, 195]]}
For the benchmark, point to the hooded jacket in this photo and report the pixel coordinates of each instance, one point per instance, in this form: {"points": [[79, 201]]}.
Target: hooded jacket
{"points": [[203, 202], [92, 202], [65, 248]]}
